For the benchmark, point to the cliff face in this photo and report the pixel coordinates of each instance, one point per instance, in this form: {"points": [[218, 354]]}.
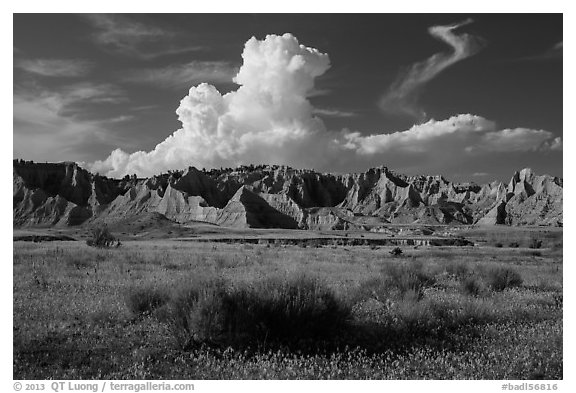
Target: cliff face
{"points": [[280, 197]]}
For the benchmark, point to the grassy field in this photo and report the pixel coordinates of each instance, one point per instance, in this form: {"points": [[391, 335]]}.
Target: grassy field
{"points": [[164, 309]]}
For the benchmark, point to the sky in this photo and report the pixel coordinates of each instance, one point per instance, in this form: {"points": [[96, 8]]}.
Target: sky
{"points": [[471, 97]]}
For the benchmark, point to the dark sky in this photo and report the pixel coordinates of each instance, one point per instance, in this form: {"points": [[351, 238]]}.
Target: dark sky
{"points": [[85, 85]]}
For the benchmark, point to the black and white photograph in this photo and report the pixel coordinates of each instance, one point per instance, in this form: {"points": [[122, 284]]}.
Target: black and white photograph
{"points": [[287, 196]]}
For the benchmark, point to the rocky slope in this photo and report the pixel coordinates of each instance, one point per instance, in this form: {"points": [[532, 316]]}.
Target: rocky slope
{"points": [[64, 194]]}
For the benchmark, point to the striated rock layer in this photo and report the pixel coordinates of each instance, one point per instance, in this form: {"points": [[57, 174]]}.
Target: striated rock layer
{"points": [[63, 194]]}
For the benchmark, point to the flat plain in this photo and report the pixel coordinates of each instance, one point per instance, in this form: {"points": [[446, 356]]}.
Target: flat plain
{"points": [[182, 309]]}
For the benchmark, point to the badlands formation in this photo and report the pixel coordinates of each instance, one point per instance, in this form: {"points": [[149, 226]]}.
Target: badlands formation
{"points": [[64, 194]]}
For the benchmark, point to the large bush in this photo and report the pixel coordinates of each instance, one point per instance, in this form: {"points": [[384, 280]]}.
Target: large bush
{"points": [[101, 237], [144, 300], [275, 311], [472, 285], [410, 279], [535, 243], [501, 278]]}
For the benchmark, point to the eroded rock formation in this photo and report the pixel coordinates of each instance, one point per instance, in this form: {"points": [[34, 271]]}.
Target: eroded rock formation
{"points": [[64, 194]]}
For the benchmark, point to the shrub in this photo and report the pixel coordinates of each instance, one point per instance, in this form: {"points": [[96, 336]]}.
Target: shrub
{"points": [[457, 269], [498, 245], [472, 285], [223, 261], [514, 245], [194, 313], [396, 251], [280, 311], [315, 243], [101, 237], [144, 300], [374, 288], [408, 278], [504, 277], [535, 243], [296, 308]]}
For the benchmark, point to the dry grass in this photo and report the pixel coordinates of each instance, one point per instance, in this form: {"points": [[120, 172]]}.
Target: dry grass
{"points": [[81, 312]]}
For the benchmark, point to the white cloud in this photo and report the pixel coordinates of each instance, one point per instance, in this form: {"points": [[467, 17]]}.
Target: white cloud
{"points": [[555, 144], [184, 74], [516, 139], [465, 132], [460, 129], [269, 119], [68, 68], [402, 96]]}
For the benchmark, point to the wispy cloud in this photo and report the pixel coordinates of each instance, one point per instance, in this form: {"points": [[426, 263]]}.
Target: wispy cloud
{"points": [[86, 92], [553, 52], [402, 96], [120, 119], [186, 75], [333, 113], [50, 123], [70, 101], [122, 32], [56, 67], [151, 54], [141, 108], [318, 92], [558, 45], [127, 36]]}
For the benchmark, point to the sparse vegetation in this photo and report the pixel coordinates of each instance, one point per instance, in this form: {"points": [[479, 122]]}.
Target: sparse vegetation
{"points": [[158, 310]]}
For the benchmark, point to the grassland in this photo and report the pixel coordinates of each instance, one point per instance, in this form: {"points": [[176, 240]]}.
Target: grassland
{"points": [[165, 309]]}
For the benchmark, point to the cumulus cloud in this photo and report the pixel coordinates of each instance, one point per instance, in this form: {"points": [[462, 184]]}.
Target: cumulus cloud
{"points": [[402, 96], [269, 119], [179, 75], [465, 132], [56, 67], [554, 144]]}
